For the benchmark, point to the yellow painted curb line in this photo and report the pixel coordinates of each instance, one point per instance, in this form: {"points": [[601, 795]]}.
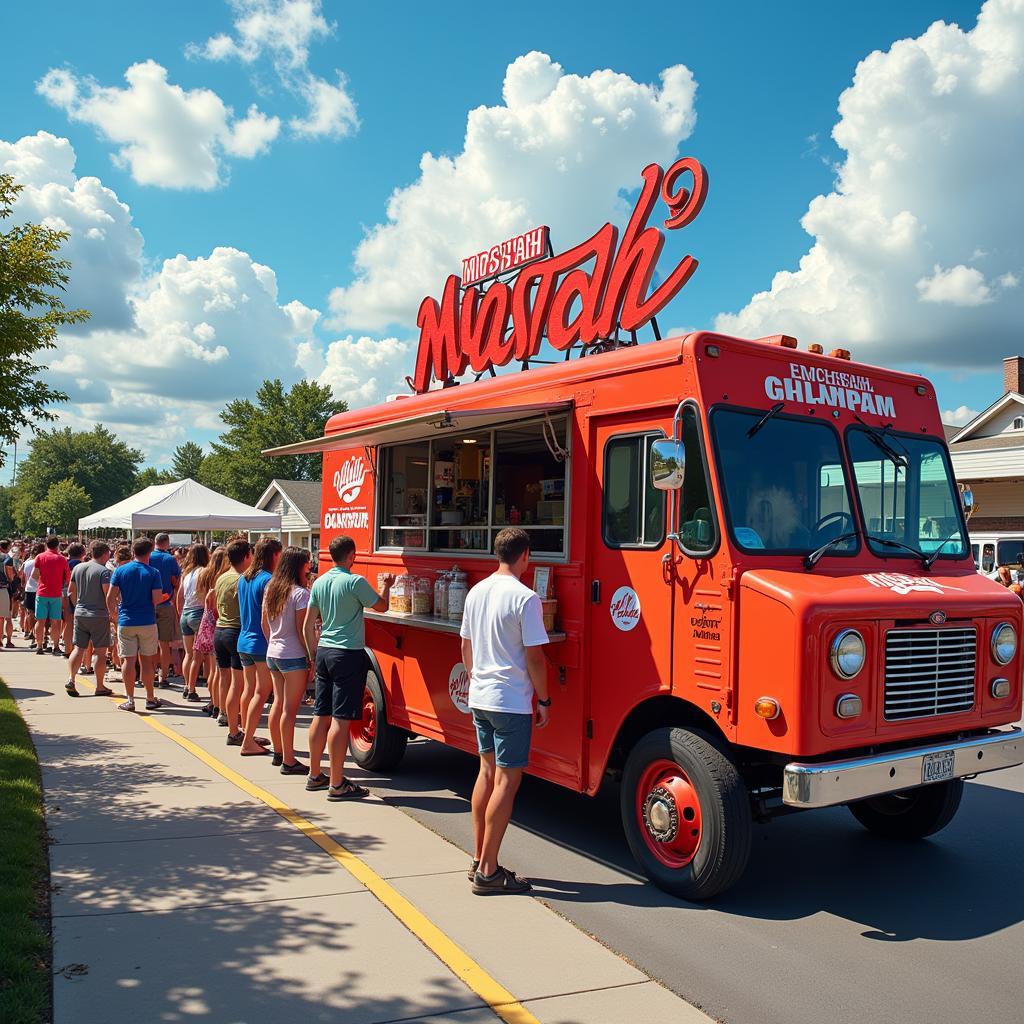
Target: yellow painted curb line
{"points": [[457, 960]]}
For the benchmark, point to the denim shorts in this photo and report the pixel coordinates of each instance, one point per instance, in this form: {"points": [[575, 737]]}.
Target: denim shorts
{"points": [[190, 620], [505, 734], [287, 664], [225, 647], [248, 660]]}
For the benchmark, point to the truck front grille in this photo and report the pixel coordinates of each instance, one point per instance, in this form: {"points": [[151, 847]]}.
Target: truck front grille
{"points": [[929, 672]]}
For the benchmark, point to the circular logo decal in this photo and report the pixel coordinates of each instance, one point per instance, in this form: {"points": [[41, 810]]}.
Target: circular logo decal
{"points": [[625, 608], [458, 687]]}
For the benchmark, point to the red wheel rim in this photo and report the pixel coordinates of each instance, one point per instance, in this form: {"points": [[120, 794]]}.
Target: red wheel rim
{"points": [[363, 731], [668, 813]]}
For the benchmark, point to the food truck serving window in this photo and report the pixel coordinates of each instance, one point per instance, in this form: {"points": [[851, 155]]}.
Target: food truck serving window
{"points": [[454, 493]]}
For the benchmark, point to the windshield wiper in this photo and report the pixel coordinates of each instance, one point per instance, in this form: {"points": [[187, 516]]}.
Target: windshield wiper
{"points": [[877, 437], [811, 560], [930, 560], [899, 544], [776, 408]]}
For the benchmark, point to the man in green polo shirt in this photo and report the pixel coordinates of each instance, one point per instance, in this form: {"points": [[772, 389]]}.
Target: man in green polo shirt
{"points": [[338, 599]]}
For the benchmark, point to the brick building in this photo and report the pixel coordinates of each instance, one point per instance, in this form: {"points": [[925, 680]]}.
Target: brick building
{"points": [[988, 455]]}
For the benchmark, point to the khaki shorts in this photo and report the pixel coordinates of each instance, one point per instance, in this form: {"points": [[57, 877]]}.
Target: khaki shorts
{"points": [[167, 627], [132, 640]]}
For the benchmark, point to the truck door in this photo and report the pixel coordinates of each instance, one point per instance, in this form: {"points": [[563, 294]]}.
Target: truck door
{"points": [[630, 608]]}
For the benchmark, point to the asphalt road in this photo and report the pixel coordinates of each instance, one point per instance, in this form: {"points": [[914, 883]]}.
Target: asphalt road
{"points": [[829, 923]]}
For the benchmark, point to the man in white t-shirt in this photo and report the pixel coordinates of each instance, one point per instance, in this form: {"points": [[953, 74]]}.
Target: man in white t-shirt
{"points": [[502, 635]]}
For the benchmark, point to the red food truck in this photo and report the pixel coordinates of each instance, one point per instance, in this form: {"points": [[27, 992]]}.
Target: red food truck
{"points": [[764, 596]]}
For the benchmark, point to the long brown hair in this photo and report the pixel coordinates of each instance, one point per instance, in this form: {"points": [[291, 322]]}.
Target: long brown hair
{"points": [[198, 557], [217, 567], [263, 556], [288, 574]]}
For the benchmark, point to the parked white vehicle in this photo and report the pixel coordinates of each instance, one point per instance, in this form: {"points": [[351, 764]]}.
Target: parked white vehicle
{"points": [[992, 550]]}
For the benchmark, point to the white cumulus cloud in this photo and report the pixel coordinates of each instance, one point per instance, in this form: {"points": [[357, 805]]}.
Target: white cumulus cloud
{"points": [[104, 247], [282, 31], [919, 245], [958, 417], [167, 136], [361, 370], [557, 151]]}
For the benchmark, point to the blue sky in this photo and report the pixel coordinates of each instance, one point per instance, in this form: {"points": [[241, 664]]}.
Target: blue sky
{"points": [[768, 78]]}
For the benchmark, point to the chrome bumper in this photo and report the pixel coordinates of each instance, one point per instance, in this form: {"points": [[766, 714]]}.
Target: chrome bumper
{"points": [[838, 782]]}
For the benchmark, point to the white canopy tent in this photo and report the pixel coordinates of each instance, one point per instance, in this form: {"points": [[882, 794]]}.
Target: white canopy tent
{"points": [[184, 505]]}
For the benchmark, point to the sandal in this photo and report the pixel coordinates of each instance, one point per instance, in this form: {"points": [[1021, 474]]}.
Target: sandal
{"points": [[154, 704], [70, 688], [317, 782], [262, 752], [347, 791], [297, 768], [471, 873], [192, 697], [262, 741], [502, 882], [104, 691], [128, 705]]}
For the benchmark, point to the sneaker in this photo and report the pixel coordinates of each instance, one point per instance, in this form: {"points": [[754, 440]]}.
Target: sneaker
{"points": [[317, 782], [207, 708], [471, 873], [70, 688], [235, 739], [192, 696], [277, 760], [502, 882], [295, 769], [85, 670], [8, 643], [128, 705], [39, 650], [348, 790], [222, 720]]}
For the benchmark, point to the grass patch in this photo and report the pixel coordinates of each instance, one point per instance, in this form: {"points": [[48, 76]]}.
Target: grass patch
{"points": [[25, 952]]}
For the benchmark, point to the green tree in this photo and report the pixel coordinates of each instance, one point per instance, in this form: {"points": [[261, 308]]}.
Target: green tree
{"points": [[96, 460], [150, 476], [31, 314], [237, 466], [65, 503], [7, 524], [187, 461]]}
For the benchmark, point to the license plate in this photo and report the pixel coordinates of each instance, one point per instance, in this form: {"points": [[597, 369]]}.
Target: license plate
{"points": [[937, 767]]}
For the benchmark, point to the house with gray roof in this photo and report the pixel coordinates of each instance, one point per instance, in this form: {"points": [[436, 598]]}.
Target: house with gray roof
{"points": [[297, 502], [988, 456]]}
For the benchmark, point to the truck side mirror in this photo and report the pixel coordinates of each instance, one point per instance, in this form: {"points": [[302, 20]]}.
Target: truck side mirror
{"points": [[668, 465]]}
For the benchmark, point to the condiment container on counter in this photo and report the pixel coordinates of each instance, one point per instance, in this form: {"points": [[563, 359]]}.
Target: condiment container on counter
{"points": [[422, 596], [401, 595], [458, 587], [441, 596]]}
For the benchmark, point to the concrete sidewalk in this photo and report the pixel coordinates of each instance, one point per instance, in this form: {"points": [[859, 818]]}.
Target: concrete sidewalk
{"points": [[178, 895]]}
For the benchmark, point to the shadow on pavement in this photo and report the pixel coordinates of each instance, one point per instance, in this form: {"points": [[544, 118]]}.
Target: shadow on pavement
{"points": [[940, 888]]}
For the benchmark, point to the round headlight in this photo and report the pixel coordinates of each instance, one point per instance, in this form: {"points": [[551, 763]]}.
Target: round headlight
{"points": [[847, 653], [1004, 643]]}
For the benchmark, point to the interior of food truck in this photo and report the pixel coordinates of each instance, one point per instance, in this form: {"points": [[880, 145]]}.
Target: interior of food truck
{"points": [[455, 492]]}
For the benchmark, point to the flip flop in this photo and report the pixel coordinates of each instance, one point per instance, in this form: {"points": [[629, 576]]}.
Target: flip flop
{"points": [[262, 752]]}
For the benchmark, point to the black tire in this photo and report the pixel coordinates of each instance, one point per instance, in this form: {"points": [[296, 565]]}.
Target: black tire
{"points": [[724, 842], [386, 749], [912, 814]]}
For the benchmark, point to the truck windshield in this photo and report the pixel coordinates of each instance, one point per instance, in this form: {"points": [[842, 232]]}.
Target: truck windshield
{"points": [[785, 488], [910, 499]]}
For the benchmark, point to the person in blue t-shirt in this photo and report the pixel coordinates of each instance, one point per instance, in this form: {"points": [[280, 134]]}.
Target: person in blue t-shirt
{"points": [[167, 627], [252, 650], [138, 589]]}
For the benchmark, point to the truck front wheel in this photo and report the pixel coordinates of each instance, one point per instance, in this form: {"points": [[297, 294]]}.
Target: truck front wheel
{"points": [[912, 814], [373, 742], [686, 813]]}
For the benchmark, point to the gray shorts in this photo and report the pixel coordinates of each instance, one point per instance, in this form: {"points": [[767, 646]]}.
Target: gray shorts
{"points": [[91, 629]]}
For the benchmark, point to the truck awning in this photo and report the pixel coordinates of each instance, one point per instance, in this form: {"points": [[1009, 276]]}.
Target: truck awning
{"points": [[413, 428]]}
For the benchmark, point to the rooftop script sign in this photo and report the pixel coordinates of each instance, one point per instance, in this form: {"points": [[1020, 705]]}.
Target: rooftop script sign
{"points": [[556, 297]]}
